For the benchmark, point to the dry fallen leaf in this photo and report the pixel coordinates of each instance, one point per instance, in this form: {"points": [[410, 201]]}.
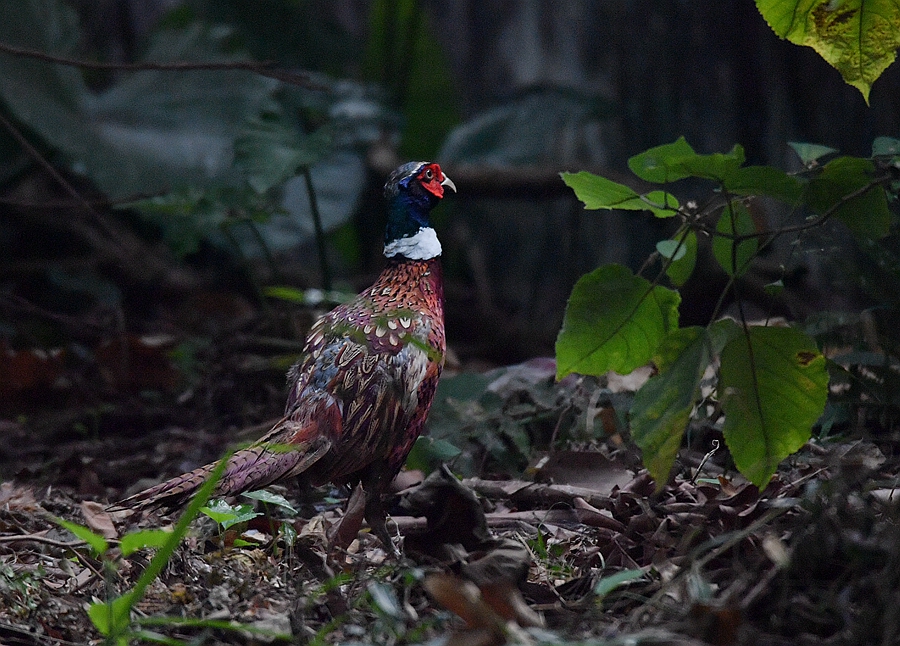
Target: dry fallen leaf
{"points": [[98, 519]]}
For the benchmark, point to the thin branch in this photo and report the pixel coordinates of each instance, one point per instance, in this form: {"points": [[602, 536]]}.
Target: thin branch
{"points": [[263, 68], [809, 224], [320, 234], [55, 174]]}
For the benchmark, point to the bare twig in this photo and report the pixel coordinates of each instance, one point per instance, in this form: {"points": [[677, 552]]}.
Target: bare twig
{"points": [[263, 68]]}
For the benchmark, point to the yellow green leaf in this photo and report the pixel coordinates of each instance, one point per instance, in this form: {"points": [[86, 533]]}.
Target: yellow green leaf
{"points": [[859, 38]]}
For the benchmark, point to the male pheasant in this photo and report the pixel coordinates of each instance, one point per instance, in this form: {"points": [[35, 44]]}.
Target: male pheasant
{"points": [[360, 395]]}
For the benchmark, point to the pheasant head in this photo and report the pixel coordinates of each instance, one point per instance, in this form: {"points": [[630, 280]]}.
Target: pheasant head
{"points": [[412, 190]]}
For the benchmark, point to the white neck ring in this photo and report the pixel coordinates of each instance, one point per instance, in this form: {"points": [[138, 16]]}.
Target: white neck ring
{"points": [[423, 245]]}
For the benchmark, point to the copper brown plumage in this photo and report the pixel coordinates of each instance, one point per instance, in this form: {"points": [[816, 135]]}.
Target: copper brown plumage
{"points": [[361, 393]]}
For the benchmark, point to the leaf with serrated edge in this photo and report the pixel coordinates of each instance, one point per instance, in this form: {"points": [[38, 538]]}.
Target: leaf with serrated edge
{"points": [[773, 386]]}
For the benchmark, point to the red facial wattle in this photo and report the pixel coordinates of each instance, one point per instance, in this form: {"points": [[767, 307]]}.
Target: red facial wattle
{"points": [[433, 180]]}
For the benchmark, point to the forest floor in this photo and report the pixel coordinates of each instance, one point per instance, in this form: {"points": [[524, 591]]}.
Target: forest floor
{"points": [[582, 549]]}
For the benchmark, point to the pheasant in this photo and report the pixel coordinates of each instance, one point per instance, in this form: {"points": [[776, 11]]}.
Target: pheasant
{"points": [[359, 396]]}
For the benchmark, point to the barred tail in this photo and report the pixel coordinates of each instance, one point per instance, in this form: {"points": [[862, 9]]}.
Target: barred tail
{"points": [[252, 468]]}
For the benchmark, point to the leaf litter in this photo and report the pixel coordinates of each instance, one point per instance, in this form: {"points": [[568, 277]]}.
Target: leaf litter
{"points": [[586, 549]]}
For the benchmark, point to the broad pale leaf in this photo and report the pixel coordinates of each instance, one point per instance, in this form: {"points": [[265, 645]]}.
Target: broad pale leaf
{"points": [[271, 150], [810, 154], [671, 249], [614, 321], [885, 147], [734, 256], [857, 37], [773, 386]]}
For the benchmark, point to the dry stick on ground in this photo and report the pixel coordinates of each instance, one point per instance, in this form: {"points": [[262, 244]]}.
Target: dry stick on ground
{"points": [[535, 494]]}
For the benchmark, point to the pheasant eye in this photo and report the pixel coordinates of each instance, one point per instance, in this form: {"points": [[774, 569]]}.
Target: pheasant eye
{"points": [[428, 174]]}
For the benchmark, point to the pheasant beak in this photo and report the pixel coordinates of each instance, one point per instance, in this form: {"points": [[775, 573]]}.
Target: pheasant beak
{"points": [[448, 183]]}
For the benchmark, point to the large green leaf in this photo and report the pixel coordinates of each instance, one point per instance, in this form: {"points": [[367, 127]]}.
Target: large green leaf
{"points": [[271, 150], [773, 386], [597, 192], [671, 162], [735, 256], [148, 132], [663, 405], [614, 321], [857, 37], [765, 180], [866, 215], [662, 164]]}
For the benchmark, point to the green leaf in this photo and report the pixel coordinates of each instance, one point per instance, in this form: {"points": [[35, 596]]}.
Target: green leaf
{"points": [[600, 193], [428, 452], [613, 321], [113, 617], [765, 180], [866, 215], [680, 269], [810, 154], [859, 38], [734, 256], [597, 192], [671, 249], [669, 203], [272, 150], [270, 498], [149, 131], [96, 542], [663, 405], [671, 162], [609, 583], [885, 147], [662, 164], [717, 166], [775, 288], [227, 515], [134, 541], [773, 386], [117, 621]]}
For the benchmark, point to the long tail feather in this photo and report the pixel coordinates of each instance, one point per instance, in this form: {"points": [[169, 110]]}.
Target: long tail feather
{"points": [[248, 469]]}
